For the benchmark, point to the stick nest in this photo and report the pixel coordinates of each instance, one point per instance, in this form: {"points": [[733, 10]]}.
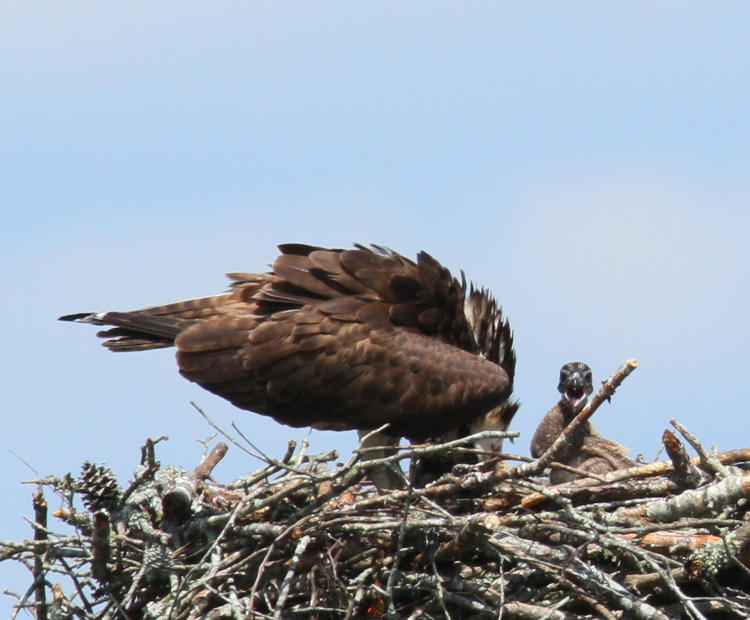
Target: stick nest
{"points": [[306, 537]]}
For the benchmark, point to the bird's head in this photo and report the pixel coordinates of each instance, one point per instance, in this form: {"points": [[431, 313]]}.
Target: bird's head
{"points": [[497, 419], [575, 385]]}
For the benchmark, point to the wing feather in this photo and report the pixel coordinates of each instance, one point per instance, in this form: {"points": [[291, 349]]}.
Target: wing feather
{"points": [[338, 339], [301, 271], [330, 262]]}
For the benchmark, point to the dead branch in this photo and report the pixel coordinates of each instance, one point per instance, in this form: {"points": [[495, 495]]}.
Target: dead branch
{"points": [[708, 462], [204, 469], [686, 474], [698, 502], [583, 490], [101, 552], [40, 534]]}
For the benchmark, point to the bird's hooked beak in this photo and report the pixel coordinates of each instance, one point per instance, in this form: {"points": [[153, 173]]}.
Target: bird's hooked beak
{"points": [[576, 395], [575, 384]]}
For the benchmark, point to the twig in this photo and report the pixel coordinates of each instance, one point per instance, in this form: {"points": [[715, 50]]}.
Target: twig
{"points": [[687, 474], [399, 548], [149, 467], [100, 547], [40, 534], [694, 502], [286, 584], [708, 461], [204, 469]]}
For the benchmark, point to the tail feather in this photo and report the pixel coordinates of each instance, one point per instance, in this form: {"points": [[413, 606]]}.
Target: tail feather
{"points": [[132, 331]]}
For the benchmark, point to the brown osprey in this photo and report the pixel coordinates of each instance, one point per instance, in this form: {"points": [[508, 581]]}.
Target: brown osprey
{"points": [[587, 449], [341, 339]]}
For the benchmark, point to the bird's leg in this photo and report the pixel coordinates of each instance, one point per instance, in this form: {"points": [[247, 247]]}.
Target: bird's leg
{"points": [[378, 445]]}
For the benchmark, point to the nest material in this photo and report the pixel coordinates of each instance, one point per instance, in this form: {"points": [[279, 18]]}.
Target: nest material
{"points": [[304, 537]]}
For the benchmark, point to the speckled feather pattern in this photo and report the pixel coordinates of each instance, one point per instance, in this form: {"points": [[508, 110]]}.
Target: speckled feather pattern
{"points": [[339, 339]]}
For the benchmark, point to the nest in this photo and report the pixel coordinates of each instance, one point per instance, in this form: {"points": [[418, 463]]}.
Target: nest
{"points": [[307, 537]]}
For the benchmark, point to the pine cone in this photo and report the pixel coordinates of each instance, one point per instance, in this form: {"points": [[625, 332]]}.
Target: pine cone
{"points": [[99, 487], [157, 561]]}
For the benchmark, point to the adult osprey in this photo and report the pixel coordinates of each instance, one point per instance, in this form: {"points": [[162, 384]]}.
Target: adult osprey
{"points": [[341, 339], [586, 450]]}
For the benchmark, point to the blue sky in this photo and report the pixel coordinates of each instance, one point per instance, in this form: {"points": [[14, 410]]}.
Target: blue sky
{"points": [[587, 162]]}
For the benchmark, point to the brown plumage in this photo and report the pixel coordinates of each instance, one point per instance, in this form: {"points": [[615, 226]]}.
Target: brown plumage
{"points": [[587, 449], [340, 339]]}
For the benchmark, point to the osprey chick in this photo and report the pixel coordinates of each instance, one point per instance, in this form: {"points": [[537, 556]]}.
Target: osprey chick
{"points": [[587, 449], [341, 339]]}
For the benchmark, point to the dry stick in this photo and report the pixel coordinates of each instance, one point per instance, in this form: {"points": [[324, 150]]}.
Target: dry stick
{"points": [[204, 469], [76, 582], [399, 547], [101, 551], [234, 600], [708, 606], [527, 611], [692, 502], [659, 468], [299, 459], [22, 601], [708, 461], [132, 590], [501, 605], [248, 480], [582, 579], [263, 456], [609, 487], [686, 474], [222, 432], [40, 534], [665, 540], [287, 583], [648, 470], [148, 460], [581, 473], [258, 454]]}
